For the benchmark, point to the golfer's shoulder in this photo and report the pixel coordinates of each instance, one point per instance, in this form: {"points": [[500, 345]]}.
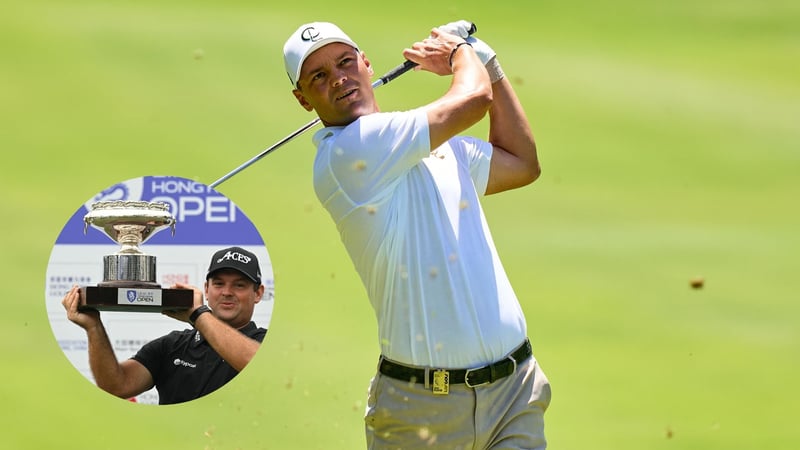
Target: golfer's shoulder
{"points": [[178, 336], [167, 342], [376, 131], [382, 122]]}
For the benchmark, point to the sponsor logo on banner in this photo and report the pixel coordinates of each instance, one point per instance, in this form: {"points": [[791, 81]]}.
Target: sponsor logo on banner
{"points": [[149, 297], [203, 216]]}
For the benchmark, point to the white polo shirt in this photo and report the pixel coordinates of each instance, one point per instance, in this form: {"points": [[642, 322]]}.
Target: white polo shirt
{"points": [[415, 230]]}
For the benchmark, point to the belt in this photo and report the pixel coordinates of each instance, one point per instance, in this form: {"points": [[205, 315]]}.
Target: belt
{"points": [[470, 377]]}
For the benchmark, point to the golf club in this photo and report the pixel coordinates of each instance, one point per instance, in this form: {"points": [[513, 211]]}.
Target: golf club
{"points": [[385, 79]]}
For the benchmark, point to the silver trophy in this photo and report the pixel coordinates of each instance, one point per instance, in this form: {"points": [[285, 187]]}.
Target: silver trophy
{"points": [[129, 276]]}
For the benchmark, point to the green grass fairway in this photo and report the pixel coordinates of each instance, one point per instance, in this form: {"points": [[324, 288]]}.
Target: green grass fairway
{"points": [[669, 135]]}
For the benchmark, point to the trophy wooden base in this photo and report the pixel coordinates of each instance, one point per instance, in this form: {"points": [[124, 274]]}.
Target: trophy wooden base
{"points": [[135, 299]]}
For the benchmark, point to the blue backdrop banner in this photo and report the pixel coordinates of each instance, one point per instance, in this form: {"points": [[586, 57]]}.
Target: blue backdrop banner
{"points": [[203, 216]]}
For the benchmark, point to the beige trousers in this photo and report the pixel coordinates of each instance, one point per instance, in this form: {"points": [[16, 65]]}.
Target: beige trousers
{"points": [[507, 414]]}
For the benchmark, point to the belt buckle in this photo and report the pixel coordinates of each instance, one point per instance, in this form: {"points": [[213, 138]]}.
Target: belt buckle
{"points": [[514, 370]]}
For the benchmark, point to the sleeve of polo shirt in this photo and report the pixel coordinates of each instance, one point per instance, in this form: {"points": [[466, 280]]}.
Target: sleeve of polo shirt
{"points": [[477, 155], [374, 151], [151, 355], [259, 334]]}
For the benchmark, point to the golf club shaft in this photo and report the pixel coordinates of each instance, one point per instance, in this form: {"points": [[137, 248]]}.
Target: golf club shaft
{"points": [[385, 79], [266, 152]]}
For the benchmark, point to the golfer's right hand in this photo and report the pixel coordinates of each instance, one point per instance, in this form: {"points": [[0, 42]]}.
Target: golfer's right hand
{"points": [[85, 319], [433, 53]]}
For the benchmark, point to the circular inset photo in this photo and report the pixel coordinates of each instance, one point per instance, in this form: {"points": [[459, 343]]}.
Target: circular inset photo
{"points": [[159, 290]]}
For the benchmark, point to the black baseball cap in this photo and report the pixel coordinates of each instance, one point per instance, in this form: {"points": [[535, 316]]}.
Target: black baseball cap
{"points": [[238, 259]]}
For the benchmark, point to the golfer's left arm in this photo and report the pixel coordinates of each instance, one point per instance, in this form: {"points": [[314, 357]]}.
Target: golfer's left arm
{"points": [[514, 159], [233, 346]]}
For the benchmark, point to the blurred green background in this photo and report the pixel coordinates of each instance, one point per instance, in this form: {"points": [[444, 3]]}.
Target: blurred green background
{"points": [[669, 134]]}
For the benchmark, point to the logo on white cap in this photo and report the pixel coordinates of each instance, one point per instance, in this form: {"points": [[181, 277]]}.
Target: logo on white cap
{"points": [[310, 34]]}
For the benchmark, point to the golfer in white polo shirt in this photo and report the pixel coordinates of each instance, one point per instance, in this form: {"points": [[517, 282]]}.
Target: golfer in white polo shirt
{"points": [[456, 368]]}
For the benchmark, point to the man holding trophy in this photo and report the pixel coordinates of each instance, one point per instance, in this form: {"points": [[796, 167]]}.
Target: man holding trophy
{"points": [[184, 365]]}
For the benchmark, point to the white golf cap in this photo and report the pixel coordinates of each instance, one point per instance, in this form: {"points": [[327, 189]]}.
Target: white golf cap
{"points": [[305, 40]]}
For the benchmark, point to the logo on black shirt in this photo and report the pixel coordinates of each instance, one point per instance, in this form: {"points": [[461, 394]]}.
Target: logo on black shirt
{"points": [[180, 362]]}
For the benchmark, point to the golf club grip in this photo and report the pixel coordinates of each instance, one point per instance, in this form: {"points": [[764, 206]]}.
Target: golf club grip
{"points": [[394, 73]]}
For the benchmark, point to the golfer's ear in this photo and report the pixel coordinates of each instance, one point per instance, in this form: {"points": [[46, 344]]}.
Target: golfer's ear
{"points": [[367, 63], [302, 100]]}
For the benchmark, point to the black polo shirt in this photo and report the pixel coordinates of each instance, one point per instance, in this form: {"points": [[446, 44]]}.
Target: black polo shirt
{"points": [[184, 366]]}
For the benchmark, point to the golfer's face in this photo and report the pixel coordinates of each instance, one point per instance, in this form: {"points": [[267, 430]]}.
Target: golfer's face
{"points": [[335, 82], [232, 297]]}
